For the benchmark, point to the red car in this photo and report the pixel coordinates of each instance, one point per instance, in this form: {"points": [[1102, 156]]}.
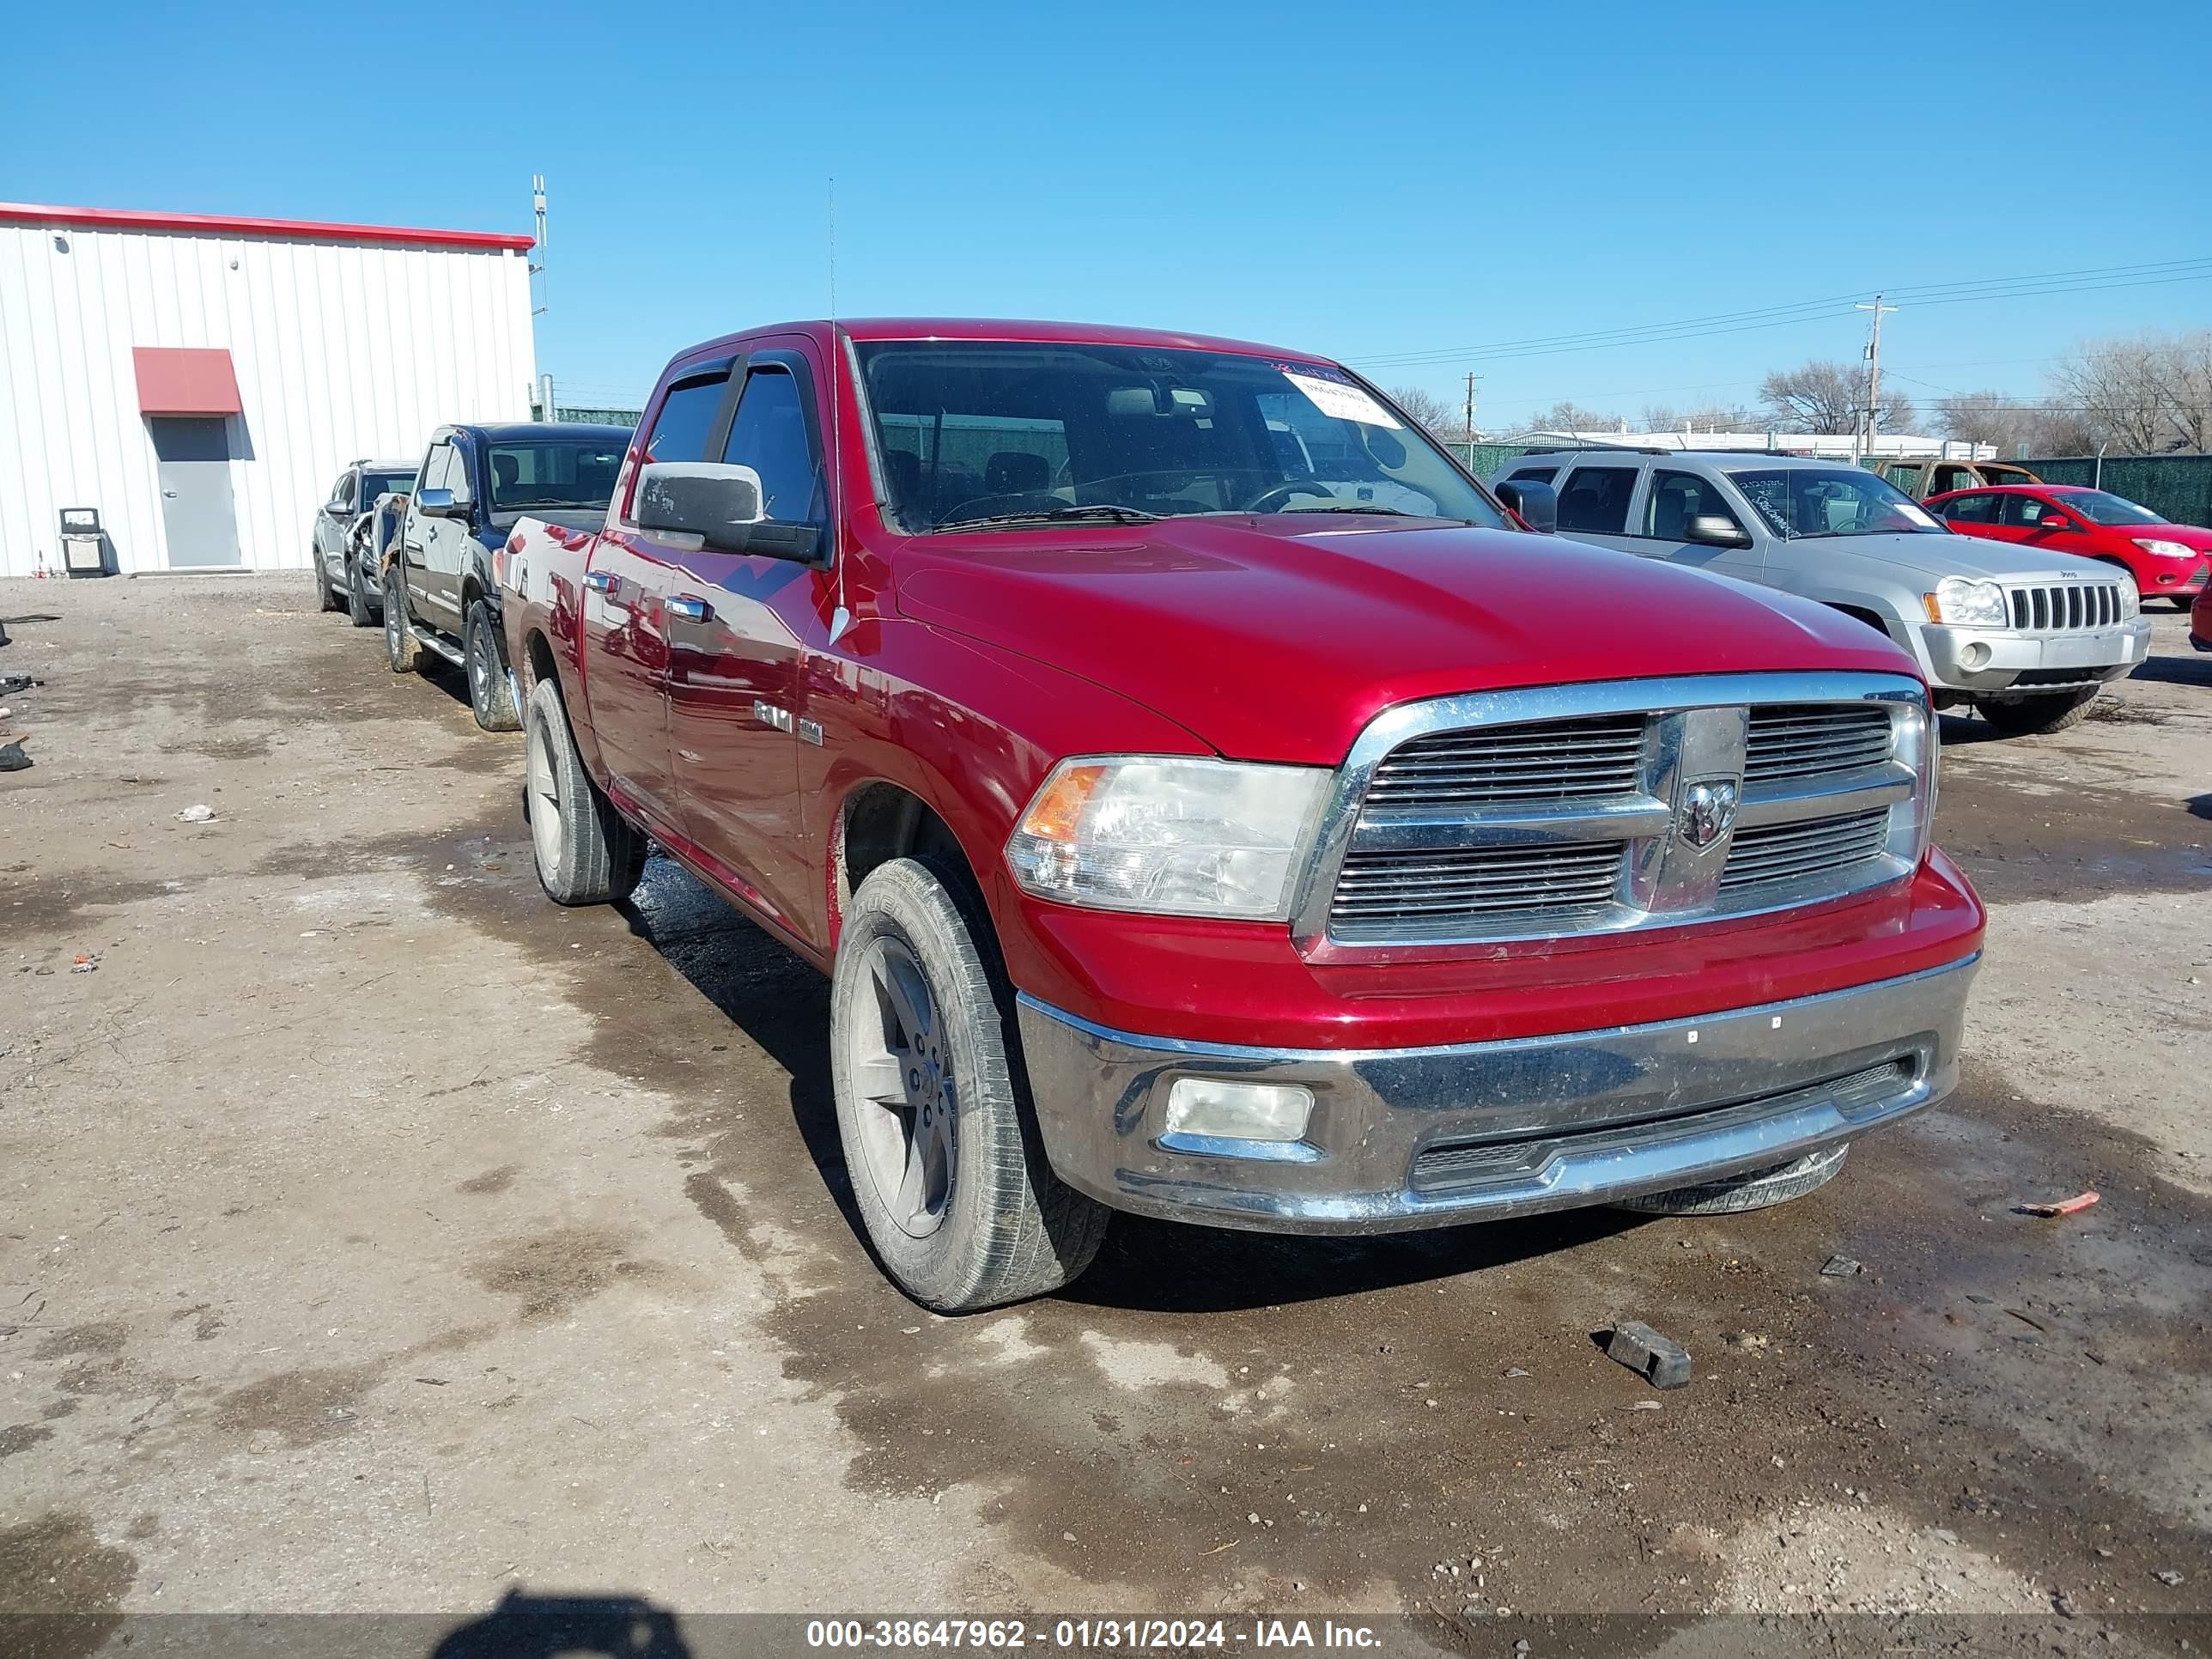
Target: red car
{"points": [[2168, 561], [1208, 804], [2200, 622]]}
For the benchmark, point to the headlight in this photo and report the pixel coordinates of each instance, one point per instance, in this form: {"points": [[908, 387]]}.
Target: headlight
{"points": [[2130, 600], [1167, 835], [2162, 550], [1962, 601], [1916, 745]]}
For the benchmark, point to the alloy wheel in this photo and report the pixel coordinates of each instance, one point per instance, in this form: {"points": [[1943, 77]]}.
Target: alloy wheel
{"points": [[902, 1072]]}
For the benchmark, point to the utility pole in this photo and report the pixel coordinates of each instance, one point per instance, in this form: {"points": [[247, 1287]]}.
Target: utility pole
{"points": [[537, 212], [1873, 373]]}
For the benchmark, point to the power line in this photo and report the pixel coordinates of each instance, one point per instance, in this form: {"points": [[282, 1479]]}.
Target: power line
{"points": [[1738, 322]]}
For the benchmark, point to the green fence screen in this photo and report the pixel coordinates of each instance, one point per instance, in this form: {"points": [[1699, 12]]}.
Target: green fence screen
{"points": [[2178, 487]]}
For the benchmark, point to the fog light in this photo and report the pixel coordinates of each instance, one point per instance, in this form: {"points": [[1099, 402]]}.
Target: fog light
{"points": [[1974, 654], [1238, 1111]]}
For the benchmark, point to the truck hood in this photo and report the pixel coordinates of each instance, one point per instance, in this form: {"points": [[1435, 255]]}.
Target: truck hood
{"points": [[1933, 557], [1278, 638]]}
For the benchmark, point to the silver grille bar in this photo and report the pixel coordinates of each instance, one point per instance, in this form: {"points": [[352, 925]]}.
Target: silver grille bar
{"points": [[2056, 607], [1626, 804]]}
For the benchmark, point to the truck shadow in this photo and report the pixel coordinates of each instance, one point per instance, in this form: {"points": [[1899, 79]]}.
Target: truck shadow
{"points": [[782, 1006]]}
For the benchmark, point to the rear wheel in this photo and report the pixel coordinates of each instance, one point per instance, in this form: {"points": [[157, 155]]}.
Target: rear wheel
{"points": [[586, 852], [358, 608], [947, 1171], [2035, 716], [402, 650], [491, 694], [1756, 1191]]}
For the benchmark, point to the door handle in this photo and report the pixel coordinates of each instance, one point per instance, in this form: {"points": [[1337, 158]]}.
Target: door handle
{"points": [[598, 581], [686, 607]]}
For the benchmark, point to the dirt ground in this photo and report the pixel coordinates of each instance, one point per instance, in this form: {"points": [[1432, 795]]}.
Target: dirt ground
{"points": [[376, 1236]]}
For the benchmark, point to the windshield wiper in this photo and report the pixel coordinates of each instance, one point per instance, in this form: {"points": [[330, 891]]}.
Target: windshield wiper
{"points": [[1099, 513], [1357, 507]]}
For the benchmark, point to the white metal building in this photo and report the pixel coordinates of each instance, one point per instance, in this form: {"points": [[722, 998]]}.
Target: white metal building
{"points": [[201, 382]]}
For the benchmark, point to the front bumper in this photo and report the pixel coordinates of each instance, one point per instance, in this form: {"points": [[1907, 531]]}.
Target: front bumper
{"points": [[1425, 1137], [1989, 660]]}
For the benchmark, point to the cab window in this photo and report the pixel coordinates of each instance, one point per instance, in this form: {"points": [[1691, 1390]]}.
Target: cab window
{"points": [[769, 435], [1678, 497], [1595, 500], [686, 415], [2025, 511], [1970, 509]]}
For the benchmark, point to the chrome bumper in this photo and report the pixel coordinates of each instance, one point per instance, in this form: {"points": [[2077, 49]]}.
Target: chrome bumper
{"points": [[1425, 1137], [1999, 655]]}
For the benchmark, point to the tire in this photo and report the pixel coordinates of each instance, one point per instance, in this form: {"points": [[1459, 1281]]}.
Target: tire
{"points": [[586, 851], [2181, 601], [946, 1167], [324, 599], [361, 613], [491, 694], [2033, 717], [403, 652], [1758, 1190]]}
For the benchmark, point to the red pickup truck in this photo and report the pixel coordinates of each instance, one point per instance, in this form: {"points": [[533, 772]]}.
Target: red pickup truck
{"points": [[1210, 802]]}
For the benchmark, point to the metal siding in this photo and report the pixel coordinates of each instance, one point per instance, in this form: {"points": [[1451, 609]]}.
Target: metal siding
{"points": [[342, 350]]}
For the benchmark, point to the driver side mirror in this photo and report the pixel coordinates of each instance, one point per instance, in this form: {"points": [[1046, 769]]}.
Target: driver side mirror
{"points": [[1537, 505], [1716, 530], [720, 504]]}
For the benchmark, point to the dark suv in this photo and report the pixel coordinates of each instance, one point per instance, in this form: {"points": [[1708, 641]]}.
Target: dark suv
{"points": [[341, 580], [439, 596]]}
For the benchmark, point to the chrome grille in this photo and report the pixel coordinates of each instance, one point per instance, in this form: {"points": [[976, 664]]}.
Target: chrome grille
{"points": [[1560, 760], [1768, 854], [1566, 811], [1801, 740], [2054, 606], [1410, 895]]}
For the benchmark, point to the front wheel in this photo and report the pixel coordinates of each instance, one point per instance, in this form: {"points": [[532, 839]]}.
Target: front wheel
{"points": [[586, 852], [491, 694], [324, 599], [2181, 601], [952, 1183], [2035, 717]]}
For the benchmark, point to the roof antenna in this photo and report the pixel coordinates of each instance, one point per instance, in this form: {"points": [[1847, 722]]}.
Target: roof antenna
{"points": [[841, 619]]}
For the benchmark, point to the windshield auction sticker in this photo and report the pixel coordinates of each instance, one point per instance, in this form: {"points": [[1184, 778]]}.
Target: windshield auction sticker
{"points": [[1340, 401]]}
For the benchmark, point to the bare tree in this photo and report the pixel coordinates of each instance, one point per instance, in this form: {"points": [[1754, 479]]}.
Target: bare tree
{"points": [[1705, 417], [1569, 416], [2013, 424], [2149, 394], [1827, 397], [1429, 412]]}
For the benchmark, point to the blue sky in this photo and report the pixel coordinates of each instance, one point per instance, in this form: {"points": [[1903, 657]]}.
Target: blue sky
{"points": [[1362, 181]]}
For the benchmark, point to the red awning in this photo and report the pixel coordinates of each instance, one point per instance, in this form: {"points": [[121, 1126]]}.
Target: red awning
{"points": [[185, 380]]}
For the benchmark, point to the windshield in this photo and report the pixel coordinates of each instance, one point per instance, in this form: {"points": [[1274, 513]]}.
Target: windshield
{"points": [[1798, 502], [558, 472], [1015, 434], [373, 484], [2102, 506]]}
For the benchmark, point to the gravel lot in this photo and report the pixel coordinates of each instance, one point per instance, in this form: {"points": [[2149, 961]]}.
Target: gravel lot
{"points": [[375, 1237]]}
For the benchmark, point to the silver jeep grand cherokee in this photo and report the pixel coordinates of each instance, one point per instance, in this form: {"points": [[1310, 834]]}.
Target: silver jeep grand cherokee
{"points": [[2029, 638]]}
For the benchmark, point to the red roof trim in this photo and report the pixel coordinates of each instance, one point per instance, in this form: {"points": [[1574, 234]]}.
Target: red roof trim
{"points": [[210, 224]]}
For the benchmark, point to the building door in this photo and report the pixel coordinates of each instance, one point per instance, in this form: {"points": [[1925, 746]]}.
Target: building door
{"points": [[194, 452]]}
